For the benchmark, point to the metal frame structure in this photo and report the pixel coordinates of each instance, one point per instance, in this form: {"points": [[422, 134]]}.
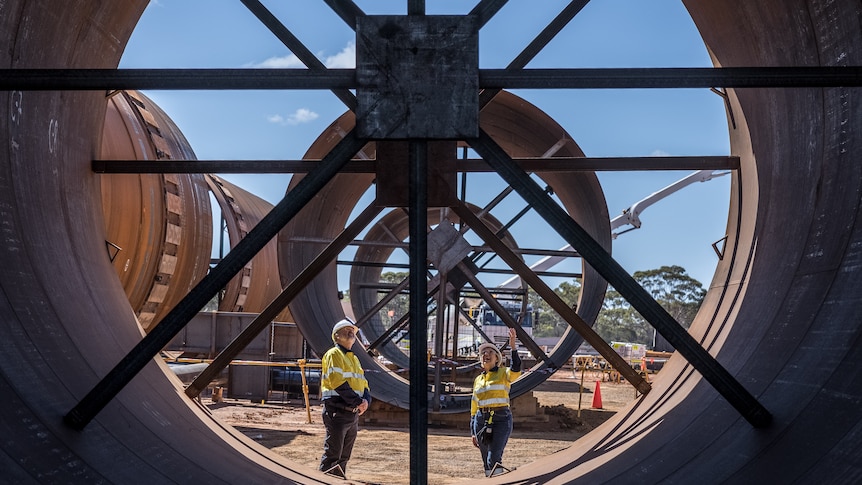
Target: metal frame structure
{"points": [[489, 79], [79, 416], [340, 82]]}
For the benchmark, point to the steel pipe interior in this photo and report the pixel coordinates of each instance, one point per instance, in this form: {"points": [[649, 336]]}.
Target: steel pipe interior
{"points": [[782, 312], [525, 131]]}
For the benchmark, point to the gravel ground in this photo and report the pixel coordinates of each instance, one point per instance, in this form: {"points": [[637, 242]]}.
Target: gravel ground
{"points": [[381, 454]]}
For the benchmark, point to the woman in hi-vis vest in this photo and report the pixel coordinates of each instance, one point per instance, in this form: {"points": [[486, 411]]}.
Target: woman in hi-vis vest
{"points": [[490, 416]]}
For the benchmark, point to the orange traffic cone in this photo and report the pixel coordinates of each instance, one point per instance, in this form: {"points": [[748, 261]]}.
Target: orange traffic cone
{"points": [[597, 397]]}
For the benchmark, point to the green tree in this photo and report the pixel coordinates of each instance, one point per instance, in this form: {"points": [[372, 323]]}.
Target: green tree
{"points": [[548, 322], [619, 322], [677, 292], [397, 306]]}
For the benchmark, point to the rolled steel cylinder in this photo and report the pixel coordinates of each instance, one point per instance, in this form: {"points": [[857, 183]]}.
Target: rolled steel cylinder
{"points": [[523, 131], [781, 314], [258, 283], [365, 277], [159, 226]]}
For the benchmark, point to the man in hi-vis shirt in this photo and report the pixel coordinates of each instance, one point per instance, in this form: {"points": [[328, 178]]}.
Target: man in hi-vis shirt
{"points": [[345, 396]]}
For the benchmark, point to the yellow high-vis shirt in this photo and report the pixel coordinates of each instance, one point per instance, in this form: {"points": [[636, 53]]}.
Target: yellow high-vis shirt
{"points": [[340, 367], [491, 388]]}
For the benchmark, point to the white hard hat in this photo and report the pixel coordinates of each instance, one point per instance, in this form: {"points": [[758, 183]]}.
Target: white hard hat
{"points": [[342, 324], [492, 347]]}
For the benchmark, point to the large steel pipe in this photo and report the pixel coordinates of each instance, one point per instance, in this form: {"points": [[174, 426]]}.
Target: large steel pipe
{"points": [[159, 226], [65, 317], [782, 313], [388, 232], [524, 131], [258, 282]]}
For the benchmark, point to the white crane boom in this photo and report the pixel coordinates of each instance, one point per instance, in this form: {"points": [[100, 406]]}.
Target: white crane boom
{"points": [[630, 216]]}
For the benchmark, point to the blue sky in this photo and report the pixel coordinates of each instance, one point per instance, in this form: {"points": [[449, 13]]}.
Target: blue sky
{"points": [[608, 33]]}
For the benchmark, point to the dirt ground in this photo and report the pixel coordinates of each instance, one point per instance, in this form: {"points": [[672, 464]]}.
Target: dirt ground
{"points": [[381, 454]]}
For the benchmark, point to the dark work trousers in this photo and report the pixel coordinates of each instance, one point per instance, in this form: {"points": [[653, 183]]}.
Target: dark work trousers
{"points": [[501, 424], [341, 428]]}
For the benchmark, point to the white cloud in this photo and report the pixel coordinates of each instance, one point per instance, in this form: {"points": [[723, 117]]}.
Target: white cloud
{"points": [[284, 62], [300, 116], [659, 153], [346, 59]]}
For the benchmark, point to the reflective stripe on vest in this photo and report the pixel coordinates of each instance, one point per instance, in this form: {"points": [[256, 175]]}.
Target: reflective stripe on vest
{"points": [[491, 389], [340, 367]]}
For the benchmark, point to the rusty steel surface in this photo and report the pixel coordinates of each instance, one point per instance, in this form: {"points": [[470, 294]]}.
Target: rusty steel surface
{"points": [[65, 317], [159, 224], [258, 283], [781, 314]]}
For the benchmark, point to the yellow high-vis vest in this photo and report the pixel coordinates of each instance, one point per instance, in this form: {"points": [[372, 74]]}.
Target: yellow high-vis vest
{"points": [[340, 367], [491, 389]]}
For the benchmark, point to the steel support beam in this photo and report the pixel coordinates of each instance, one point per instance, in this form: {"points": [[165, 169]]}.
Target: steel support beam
{"points": [[335, 79], [486, 9], [554, 300], [296, 47], [504, 315], [670, 77], [418, 311], [439, 326], [223, 166], [549, 32], [347, 10], [174, 79], [639, 298], [555, 164], [476, 326], [415, 7], [393, 292], [383, 244], [264, 318], [144, 352], [398, 325], [383, 286], [404, 320], [608, 164]]}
